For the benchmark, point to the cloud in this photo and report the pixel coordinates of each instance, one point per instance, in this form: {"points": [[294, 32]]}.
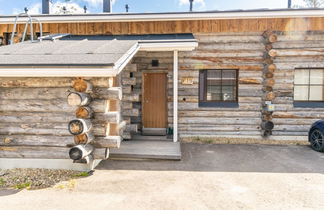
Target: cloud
{"points": [[97, 2], [33, 9], [71, 8], [55, 8]]}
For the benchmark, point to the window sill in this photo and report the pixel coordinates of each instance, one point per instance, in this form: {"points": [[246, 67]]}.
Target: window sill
{"points": [[219, 104], [309, 104]]}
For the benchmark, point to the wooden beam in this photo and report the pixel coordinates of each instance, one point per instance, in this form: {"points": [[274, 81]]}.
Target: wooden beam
{"points": [[175, 96]]}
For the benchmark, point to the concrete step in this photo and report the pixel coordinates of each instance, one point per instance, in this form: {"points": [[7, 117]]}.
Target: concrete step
{"points": [[150, 138], [166, 150]]}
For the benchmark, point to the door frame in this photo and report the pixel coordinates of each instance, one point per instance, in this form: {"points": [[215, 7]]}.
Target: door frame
{"points": [[166, 93]]}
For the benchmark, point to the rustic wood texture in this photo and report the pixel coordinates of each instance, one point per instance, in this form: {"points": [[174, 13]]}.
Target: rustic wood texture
{"points": [[184, 26], [34, 113], [295, 50], [154, 110]]}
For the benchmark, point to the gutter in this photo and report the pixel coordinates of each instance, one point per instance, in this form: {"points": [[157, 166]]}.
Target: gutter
{"points": [[136, 17]]}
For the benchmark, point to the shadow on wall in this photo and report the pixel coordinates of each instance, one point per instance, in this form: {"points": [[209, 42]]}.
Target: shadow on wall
{"points": [[231, 158]]}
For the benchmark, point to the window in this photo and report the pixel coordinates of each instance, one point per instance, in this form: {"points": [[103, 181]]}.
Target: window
{"points": [[218, 87], [308, 86]]}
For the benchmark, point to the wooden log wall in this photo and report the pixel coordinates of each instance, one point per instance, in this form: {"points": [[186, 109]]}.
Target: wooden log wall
{"points": [[130, 98], [295, 50], [242, 51], [34, 117]]}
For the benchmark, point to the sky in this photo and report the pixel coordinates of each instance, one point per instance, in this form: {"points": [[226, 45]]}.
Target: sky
{"points": [[8, 7]]}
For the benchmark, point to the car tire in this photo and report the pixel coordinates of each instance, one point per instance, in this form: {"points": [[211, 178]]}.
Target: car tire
{"points": [[316, 139]]}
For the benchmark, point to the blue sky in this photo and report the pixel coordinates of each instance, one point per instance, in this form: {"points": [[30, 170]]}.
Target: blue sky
{"points": [[94, 6]]}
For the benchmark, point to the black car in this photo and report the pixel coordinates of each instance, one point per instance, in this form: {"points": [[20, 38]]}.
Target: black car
{"points": [[316, 136]]}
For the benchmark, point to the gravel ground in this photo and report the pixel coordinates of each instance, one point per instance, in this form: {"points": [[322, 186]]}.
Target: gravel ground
{"points": [[35, 178]]}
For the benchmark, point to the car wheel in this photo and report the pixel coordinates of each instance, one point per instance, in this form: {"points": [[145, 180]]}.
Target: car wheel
{"points": [[316, 139]]}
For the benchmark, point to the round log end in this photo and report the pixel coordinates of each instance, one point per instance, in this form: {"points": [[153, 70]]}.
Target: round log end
{"points": [[76, 127], [78, 99], [270, 96], [85, 138], [75, 153], [272, 38], [81, 85], [74, 99], [273, 53], [269, 82], [267, 125], [272, 67], [268, 61], [84, 112]]}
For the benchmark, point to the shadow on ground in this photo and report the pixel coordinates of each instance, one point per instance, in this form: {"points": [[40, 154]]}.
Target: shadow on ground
{"points": [[231, 158]]}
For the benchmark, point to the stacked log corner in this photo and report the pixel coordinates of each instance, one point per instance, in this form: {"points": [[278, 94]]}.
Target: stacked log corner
{"points": [[81, 127], [268, 82], [128, 81], [84, 127]]}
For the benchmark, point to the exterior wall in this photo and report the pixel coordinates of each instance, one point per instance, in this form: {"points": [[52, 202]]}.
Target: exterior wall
{"points": [[295, 50], [245, 52], [242, 51], [34, 117]]}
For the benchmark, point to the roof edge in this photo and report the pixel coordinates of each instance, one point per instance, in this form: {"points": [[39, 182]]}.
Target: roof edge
{"points": [[133, 17]]}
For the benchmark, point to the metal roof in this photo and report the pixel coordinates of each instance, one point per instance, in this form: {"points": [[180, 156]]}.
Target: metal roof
{"points": [[81, 50], [129, 17]]}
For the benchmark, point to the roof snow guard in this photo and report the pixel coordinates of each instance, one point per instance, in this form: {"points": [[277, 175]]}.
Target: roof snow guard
{"points": [[93, 56]]}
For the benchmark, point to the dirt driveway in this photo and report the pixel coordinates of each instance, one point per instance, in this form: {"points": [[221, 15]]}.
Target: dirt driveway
{"points": [[208, 177]]}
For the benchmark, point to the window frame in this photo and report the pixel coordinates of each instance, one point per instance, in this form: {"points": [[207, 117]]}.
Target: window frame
{"points": [[308, 103], [216, 103]]}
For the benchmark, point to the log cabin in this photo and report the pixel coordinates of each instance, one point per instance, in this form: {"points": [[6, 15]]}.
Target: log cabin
{"points": [[133, 85]]}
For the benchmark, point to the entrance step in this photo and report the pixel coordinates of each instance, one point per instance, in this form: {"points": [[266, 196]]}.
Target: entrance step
{"points": [[150, 138], [154, 131], [166, 150]]}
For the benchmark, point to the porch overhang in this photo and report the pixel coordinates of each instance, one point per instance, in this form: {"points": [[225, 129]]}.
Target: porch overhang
{"points": [[84, 56]]}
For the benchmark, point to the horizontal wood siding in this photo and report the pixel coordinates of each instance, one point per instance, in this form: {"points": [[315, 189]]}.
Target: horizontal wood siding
{"points": [[185, 26]]}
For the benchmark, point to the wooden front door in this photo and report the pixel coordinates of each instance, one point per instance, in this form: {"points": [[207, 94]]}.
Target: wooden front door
{"points": [[154, 104]]}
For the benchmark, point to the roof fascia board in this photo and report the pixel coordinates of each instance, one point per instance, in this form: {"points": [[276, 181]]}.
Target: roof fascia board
{"points": [[57, 72], [123, 61], [170, 16], [168, 46]]}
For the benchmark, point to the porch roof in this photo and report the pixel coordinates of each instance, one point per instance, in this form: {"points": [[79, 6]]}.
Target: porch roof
{"points": [[96, 55]]}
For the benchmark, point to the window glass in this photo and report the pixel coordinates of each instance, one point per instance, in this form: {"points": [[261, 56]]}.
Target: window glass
{"points": [[302, 77], [316, 93], [301, 93], [316, 77], [308, 85], [218, 86]]}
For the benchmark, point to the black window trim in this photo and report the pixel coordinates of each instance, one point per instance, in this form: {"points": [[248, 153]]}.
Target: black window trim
{"points": [[205, 103]]}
